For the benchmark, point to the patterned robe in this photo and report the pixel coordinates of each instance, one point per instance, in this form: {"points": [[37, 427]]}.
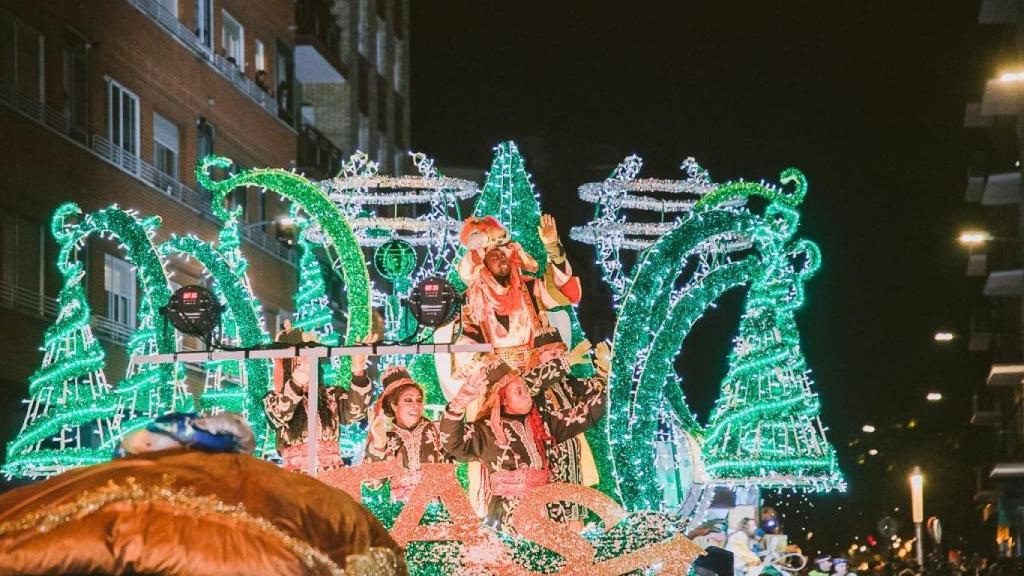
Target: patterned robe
{"points": [[418, 445], [476, 441], [286, 411]]}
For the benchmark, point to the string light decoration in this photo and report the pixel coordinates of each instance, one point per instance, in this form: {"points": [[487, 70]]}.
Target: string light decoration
{"points": [[328, 221], [365, 196], [611, 234], [242, 326], [767, 379], [69, 396]]}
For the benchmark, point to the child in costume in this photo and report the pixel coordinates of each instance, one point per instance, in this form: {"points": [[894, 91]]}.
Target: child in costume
{"points": [[286, 406], [511, 438], [400, 430]]}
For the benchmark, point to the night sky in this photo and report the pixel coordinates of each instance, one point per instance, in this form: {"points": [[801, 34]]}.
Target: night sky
{"points": [[866, 98]]}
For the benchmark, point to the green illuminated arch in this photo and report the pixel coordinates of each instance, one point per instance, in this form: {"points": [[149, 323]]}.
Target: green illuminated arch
{"points": [[321, 210]]}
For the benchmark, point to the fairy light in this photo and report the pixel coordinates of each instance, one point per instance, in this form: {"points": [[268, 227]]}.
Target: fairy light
{"points": [[764, 429], [327, 217], [69, 395]]}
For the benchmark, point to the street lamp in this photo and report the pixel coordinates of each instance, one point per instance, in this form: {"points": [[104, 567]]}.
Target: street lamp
{"points": [[944, 336], [934, 396], [917, 510], [974, 238], [868, 428]]}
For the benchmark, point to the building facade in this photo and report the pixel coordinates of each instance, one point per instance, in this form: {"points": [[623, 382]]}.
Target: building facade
{"points": [[113, 101], [993, 236]]}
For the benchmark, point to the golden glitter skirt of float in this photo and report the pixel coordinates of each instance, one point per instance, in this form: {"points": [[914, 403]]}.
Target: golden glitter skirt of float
{"points": [[188, 512]]}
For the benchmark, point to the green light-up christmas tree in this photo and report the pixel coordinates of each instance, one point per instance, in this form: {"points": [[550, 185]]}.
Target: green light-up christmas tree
{"points": [[765, 428], [312, 306], [70, 409]]}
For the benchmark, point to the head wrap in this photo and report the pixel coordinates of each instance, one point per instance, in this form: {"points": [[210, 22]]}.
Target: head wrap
{"points": [[393, 379]]}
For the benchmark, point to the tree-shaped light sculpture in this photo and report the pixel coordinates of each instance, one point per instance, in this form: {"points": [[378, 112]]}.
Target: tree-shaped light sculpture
{"points": [[69, 397], [643, 384]]}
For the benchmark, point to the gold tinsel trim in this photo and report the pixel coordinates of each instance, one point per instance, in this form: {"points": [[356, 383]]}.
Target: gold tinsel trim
{"points": [[182, 500]]}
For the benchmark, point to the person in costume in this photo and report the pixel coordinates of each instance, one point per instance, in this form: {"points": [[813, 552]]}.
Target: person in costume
{"points": [[511, 438], [225, 432], [399, 429], [286, 406], [507, 307]]}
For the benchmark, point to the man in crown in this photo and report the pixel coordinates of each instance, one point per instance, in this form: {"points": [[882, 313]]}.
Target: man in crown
{"points": [[508, 308]]}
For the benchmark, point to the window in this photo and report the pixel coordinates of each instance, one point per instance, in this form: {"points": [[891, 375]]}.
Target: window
{"points": [[21, 253], [396, 76], [204, 22], [119, 282], [399, 128], [171, 6], [232, 40], [21, 58], [382, 153], [260, 59], [364, 27], [122, 119], [284, 79], [166, 146], [204, 138], [382, 47], [364, 133], [76, 94]]}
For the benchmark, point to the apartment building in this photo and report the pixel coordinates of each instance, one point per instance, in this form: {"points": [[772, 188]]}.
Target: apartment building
{"points": [[113, 101]]}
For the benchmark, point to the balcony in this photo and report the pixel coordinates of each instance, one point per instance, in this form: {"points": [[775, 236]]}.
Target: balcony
{"points": [[985, 416], [318, 44], [1005, 375], [170, 23], [57, 121], [1002, 189], [998, 12], [1004, 283], [318, 157]]}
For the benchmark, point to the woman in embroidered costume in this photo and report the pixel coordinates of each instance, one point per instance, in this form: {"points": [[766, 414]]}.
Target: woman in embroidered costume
{"points": [[511, 438], [286, 406], [400, 430]]}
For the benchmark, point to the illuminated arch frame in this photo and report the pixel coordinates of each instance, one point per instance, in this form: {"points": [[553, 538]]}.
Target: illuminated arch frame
{"points": [[312, 199], [637, 334]]}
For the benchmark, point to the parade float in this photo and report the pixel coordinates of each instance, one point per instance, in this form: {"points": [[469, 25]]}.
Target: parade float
{"points": [[659, 468]]}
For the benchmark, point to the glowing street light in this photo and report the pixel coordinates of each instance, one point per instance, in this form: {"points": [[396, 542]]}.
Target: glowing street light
{"points": [[873, 452], [944, 336], [974, 238], [917, 510], [934, 396], [868, 428], [1012, 76]]}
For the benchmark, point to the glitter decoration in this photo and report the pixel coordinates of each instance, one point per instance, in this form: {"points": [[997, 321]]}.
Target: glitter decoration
{"points": [[768, 378], [327, 218], [186, 502], [242, 326], [443, 536], [68, 393]]}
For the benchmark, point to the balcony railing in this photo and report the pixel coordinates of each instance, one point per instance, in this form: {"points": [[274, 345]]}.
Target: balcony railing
{"points": [[110, 330], [33, 302], [318, 153], [27, 300], [57, 121], [169, 22]]}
